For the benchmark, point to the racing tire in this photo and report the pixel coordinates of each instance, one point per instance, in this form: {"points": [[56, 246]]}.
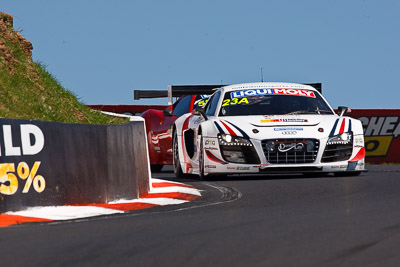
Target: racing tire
{"points": [[201, 161], [176, 163]]}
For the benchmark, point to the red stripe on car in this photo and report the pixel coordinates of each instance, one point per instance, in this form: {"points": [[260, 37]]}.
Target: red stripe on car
{"points": [[228, 128], [214, 158], [360, 155], [342, 126]]}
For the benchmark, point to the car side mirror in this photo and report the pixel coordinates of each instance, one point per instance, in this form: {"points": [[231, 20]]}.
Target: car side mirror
{"points": [[200, 112], [343, 110], [168, 113]]}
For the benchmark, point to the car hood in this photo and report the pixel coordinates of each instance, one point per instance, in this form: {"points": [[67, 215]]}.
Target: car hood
{"points": [[284, 126]]}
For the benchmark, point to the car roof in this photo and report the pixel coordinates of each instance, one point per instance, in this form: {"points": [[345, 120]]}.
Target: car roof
{"points": [[257, 85]]}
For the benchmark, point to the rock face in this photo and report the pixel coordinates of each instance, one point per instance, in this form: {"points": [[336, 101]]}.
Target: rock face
{"points": [[8, 34]]}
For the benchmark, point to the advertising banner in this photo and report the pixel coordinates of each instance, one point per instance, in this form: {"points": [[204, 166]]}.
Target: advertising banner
{"points": [[381, 130], [48, 163]]}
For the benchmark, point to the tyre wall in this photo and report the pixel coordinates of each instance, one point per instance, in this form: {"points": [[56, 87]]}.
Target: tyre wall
{"points": [[48, 164]]}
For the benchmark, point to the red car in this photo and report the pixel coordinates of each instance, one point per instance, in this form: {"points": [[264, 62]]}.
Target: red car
{"points": [[159, 122], [158, 127]]}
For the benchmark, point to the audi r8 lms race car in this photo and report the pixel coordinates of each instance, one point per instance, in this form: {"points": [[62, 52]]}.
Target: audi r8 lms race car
{"points": [[267, 127]]}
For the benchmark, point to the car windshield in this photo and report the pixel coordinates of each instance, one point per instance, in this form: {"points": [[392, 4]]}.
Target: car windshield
{"points": [[273, 101]]}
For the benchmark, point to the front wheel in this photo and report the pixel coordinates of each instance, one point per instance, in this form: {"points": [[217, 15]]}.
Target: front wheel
{"points": [[202, 176], [201, 160]]}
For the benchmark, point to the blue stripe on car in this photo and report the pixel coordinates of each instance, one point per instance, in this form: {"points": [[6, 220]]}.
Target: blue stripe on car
{"points": [[219, 128], [349, 125], [334, 128], [240, 130]]}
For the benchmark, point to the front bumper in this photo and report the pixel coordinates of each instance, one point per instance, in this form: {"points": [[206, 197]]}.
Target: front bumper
{"points": [[314, 160]]}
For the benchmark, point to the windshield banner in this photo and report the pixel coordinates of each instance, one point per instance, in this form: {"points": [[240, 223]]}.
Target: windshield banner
{"points": [[272, 91]]}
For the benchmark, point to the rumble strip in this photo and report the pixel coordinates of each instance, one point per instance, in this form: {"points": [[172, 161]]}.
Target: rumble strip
{"points": [[162, 193]]}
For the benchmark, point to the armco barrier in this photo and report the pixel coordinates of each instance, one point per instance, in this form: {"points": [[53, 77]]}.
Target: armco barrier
{"points": [[381, 130], [47, 163], [127, 109]]}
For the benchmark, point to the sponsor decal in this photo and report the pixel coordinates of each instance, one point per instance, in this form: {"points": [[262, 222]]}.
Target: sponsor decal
{"points": [[210, 166], [285, 147], [242, 168], [284, 120], [359, 141], [231, 168], [288, 129], [210, 142], [272, 91], [211, 148], [32, 143], [339, 167]]}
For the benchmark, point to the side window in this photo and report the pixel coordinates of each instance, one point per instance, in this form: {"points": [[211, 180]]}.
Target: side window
{"points": [[212, 106], [182, 107]]}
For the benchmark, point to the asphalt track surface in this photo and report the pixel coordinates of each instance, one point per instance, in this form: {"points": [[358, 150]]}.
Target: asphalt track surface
{"points": [[285, 220]]}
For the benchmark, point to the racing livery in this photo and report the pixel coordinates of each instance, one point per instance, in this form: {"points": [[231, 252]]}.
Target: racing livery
{"points": [[267, 128]]}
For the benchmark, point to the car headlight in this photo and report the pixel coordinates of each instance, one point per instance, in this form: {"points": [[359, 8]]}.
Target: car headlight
{"points": [[341, 139], [230, 140]]}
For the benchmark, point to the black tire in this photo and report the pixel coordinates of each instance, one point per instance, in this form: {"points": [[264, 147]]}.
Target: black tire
{"points": [[176, 163], [201, 161], [156, 167]]}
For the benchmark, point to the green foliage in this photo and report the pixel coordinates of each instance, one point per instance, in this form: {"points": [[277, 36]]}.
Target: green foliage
{"points": [[28, 91]]}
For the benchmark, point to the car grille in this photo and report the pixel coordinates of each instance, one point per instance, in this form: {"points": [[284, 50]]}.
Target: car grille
{"points": [[290, 151]]}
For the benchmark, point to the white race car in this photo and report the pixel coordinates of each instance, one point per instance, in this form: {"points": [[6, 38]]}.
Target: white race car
{"points": [[267, 127]]}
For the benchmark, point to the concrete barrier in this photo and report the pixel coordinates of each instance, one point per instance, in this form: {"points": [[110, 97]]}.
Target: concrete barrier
{"points": [[48, 163]]}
